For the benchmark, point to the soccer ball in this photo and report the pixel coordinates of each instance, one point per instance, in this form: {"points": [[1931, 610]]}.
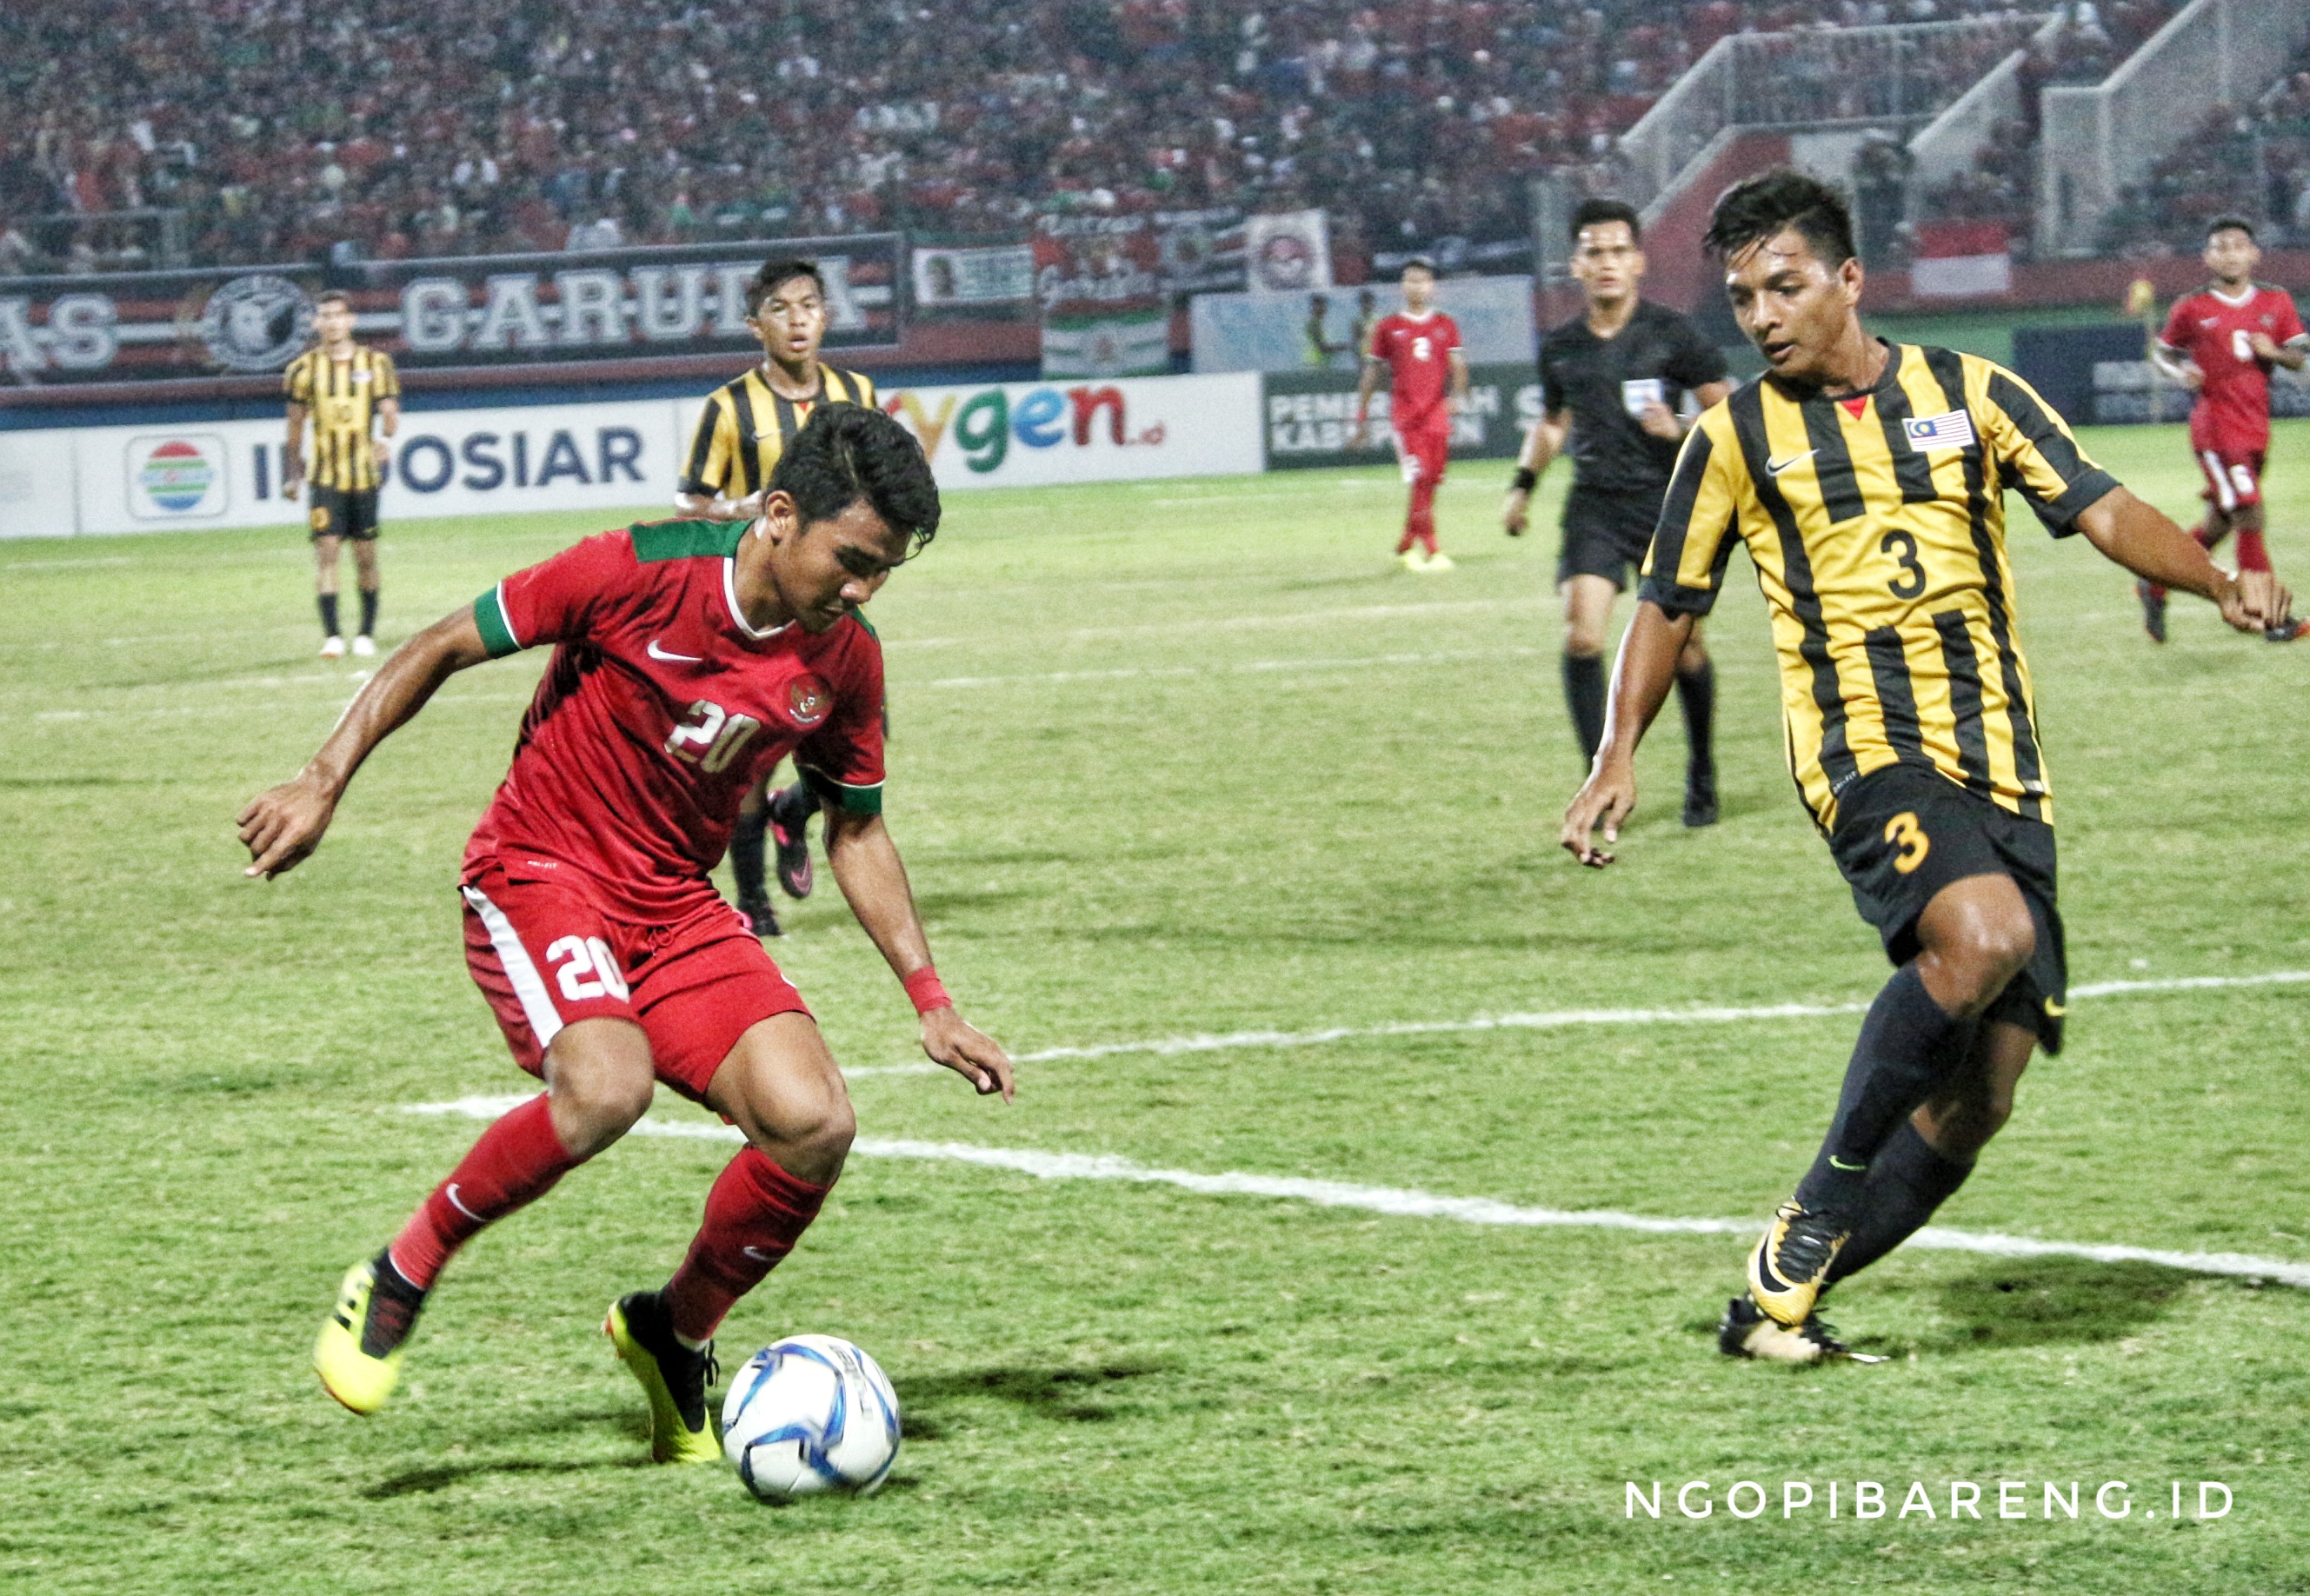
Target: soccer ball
{"points": [[811, 1414]]}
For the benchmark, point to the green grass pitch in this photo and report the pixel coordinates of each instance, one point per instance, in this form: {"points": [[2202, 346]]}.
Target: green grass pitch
{"points": [[1167, 758]]}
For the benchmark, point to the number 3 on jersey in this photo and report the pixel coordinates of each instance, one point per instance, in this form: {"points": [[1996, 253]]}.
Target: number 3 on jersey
{"points": [[1909, 841], [710, 728]]}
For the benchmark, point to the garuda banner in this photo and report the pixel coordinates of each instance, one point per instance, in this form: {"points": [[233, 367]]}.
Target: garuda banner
{"points": [[451, 312]]}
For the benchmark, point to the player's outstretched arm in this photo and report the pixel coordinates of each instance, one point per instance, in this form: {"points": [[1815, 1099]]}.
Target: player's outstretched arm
{"points": [[2140, 537], [1641, 678], [873, 879], [282, 825]]}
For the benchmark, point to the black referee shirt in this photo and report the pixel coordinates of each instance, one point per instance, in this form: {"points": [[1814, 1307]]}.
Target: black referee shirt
{"points": [[1604, 381]]}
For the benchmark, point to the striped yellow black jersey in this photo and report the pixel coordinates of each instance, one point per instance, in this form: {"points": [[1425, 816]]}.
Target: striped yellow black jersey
{"points": [[343, 397], [745, 426], [1877, 524]]}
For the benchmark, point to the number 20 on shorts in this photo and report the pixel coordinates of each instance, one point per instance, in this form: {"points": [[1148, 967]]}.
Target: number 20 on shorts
{"points": [[1906, 835]]}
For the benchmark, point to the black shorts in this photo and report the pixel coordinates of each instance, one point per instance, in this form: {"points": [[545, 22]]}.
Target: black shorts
{"points": [[1903, 834], [343, 513], [1605, 534]]}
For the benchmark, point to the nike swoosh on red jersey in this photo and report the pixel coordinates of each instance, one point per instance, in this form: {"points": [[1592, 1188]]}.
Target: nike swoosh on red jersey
{"points": [[654, 652]]}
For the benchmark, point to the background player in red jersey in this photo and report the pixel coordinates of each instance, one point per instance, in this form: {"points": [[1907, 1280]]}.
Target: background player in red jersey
{"points": [[2221, 344], [692, 655], [1418, 347]]}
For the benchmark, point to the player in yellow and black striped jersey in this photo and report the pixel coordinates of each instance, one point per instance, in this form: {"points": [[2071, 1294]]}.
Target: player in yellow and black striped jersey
{"points": [[745, 426], [747, 421], [348, 391], [1867, 481]]}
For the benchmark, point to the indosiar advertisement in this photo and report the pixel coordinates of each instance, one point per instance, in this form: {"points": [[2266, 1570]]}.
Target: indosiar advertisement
{"points": [[615, 458], [1308, 416]]}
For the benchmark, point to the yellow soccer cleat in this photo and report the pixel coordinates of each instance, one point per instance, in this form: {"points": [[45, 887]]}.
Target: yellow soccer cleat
{"points": [[1437, 561], [672, 1376], [358, 1353], [1413, 560], [1790, 1264]]}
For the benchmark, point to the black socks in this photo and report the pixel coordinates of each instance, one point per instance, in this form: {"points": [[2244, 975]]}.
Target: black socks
{"points": [[746, 855], [1695, 695], [369, 613], [1907, 1181], [1908, 1044], [328, 603], [1584, 692]]}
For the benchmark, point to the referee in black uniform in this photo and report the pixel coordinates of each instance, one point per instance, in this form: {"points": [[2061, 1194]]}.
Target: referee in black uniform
{"points": [[1614, 379]]}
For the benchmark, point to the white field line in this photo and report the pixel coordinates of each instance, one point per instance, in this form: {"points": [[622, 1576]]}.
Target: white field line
{"points": [[1402, 1203], [1556, 1018], [1245, 668]]}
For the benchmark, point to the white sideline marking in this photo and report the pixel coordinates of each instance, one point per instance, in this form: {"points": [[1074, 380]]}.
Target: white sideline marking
{"points": [[1401, 1202], [1246, 668], [1551, 1020]]}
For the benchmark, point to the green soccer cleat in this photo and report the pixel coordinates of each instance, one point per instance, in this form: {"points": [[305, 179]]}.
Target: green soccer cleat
{"points": [[358, 1353], [672, 1376], [1790, 1265]]}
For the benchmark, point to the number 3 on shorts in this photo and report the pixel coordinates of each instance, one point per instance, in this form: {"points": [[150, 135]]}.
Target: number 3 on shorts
{"points": [[592, 971], [1902, 831]]}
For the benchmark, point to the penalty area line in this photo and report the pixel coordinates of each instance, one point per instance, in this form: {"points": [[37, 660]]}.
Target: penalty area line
{"points": [[1405, 1202]]}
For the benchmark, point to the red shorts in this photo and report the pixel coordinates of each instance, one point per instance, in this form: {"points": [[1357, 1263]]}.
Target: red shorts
{"points": [[1426, 450], [546, 954], [2233, 478]]}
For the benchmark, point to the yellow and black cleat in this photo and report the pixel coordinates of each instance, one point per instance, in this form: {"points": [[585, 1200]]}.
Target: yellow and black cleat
{"points": [[1790, 1264], [358, 1353], [672, 1376]]}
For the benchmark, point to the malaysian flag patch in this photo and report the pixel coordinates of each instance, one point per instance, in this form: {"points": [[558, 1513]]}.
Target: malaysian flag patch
{"points": [[1953, 431]]}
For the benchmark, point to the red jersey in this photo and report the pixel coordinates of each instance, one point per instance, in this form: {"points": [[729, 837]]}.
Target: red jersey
{"points": [[1418, 350], [2232, 414], [660, 708]]}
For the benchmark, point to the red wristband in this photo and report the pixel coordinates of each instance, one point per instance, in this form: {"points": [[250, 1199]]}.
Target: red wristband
{"points": [[925, 991]]}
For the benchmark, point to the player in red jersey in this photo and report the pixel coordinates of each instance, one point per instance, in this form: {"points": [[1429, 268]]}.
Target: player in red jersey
{"points": [[2221, 344], [1418, 347], [689, 657]]}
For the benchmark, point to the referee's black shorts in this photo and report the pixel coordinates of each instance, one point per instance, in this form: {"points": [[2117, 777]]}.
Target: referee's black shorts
{"points": [[1905, 833], [343, 513], [1606, 534]]}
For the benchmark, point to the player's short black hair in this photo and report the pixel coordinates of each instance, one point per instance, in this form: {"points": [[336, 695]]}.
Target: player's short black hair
{"points": [[2224, 223], [1593, 211], [776, 275], [333, 296], [1756, 208], [1418, 262], [846, 453]]}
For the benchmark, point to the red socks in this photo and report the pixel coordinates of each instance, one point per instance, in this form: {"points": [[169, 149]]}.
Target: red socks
{"points": [[1419, 520], [516, 1162], [754, 1215]]}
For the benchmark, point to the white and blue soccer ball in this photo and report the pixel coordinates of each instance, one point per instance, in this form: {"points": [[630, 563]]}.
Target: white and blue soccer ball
{"points": [[809, 1414]]}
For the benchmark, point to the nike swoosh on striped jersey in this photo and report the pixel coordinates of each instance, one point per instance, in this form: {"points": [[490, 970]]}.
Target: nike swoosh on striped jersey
{"points": [[1773, 468]]}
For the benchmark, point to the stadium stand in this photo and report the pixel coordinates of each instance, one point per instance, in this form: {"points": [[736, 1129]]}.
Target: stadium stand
{"points": [[268, 130], [2089, 44]]}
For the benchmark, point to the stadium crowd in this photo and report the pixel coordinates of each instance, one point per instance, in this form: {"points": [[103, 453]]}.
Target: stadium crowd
{"points": [[284, 129], [2253, 164], [2088, 43]]}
